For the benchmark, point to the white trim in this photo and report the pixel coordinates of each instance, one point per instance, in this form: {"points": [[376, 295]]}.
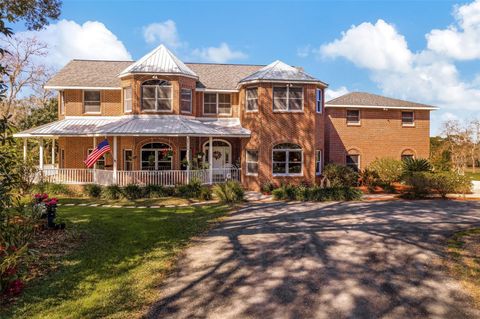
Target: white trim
{"points": [[158, 73], [319, 162], [386, 108], [217, 104], [191, 100], [408, 124], [93, 88], [288, 110], [246, 100], [217, 90], [287, 150], [156, 99], [247, 161], [131, 134], [131, 99], [325, 85], [358, 123]]}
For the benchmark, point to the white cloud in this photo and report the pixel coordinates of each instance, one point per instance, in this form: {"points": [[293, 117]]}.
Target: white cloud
{"points": [[69, 40], [220, 54], [304, 51], [162, 32], [448, 116], [331, 94], [427, 76], [373, 46], [462, 40]]}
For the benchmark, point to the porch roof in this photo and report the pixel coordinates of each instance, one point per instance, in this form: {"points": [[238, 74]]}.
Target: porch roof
{"points": [[139, 125]]}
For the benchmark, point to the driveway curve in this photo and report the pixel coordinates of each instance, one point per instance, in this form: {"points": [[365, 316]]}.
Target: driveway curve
{"points": [[323, 260]]}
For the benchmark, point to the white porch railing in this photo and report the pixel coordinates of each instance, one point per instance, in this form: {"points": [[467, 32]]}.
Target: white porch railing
{"points": [[123, 178]]}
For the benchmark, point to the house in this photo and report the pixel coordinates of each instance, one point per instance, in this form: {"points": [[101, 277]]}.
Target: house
{"points": [[168, 122]]}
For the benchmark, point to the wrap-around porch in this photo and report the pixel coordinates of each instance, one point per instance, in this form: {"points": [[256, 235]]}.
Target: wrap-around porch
{"points": [[162, 159]]}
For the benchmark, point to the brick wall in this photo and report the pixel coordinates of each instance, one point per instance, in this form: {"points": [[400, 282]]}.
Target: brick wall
{"points": [[380, 134], [270, 128]]}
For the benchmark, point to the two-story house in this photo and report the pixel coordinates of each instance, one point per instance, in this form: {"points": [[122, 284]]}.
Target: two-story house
{"points": [[168, 122]]}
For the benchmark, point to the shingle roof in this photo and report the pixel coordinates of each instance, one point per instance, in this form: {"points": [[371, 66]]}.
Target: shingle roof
{"points": [[93, 73], [279, 71], [159, 60], [368, 99], [170, 125]]}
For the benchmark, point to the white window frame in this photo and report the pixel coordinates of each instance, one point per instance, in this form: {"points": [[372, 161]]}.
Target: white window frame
{"points": [[318, 162], [287, 151], [186, 91], [247, 162], [288, 110], [408, 124], [125, 159], [99, 102], [157, 161], [319, 101], [359, 117], [125, 100], [217, 103], [247, 99], [156, 110], [359, 161], [62, 102]]}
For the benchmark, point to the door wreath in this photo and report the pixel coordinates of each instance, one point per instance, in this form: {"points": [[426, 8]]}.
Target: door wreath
{"points": [[216, 155]]}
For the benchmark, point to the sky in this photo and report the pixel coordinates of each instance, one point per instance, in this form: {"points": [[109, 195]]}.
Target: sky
{"points": [[422, 51]]}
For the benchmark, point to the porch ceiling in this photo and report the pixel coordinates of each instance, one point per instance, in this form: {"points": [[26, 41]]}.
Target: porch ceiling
{"points": [[140, 125]]}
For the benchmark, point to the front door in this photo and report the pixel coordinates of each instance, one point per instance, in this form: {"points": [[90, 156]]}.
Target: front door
{"points": [[221, 154]]}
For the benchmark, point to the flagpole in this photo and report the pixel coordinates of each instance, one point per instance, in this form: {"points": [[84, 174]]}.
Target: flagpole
{"points": [[94, 165]]}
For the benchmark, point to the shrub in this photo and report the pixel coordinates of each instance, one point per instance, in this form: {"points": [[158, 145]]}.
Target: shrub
{"points": [[448, 182], [267, 187], [419, 183], [279, 193], [206, 193], [154, 191], [132, 192], [92, 190], [370, 179], [112, 192], [411, 165], [389, 170], [229, 192], [340, 175], [190, 190], [316, 193], [52, 189]]}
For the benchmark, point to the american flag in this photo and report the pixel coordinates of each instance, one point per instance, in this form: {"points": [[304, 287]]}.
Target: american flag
{"points": [[101, 149]]}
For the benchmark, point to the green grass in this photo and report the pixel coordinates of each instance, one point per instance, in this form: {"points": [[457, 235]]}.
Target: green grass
{"points": [[125, 202], [473, 176], [116, 270]]}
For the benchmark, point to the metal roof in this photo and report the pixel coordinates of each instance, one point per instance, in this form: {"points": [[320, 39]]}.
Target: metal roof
{"points": [[279, 71], [160, 60], [368, 100], [139, 125]]}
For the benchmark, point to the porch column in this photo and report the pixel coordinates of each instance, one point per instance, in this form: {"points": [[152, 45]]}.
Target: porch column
{"points": [[114, 160], [40, 155], [53, 153], [210, 159], [188, 159], [25, 149], [94, 165]]}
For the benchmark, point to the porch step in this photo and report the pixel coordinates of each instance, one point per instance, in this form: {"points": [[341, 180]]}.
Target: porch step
{"points": [[252, 196]]}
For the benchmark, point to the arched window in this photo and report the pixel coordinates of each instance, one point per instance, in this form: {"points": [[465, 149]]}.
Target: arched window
{"points": [[287, 159], [157, 96], [156, 157], [407, 154], [353, 159]]}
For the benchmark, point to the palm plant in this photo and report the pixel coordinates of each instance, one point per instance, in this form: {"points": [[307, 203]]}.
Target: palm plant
{"points": [[411, 165]]}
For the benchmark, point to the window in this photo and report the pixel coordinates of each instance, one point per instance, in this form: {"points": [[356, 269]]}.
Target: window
{"points": [[100, 164], [128, 160], [186, 101], [217, 103], [287, 98], [156, 157], [91, 101], [251, 99], [210, 103], [319, 101], [318, 162], [407, 154], [353, 117], [62, 158], [183, 159], [287, 159], [353, 161], [157, 96], [407, 118], [127, 99], [252, 162], [62, 102]]}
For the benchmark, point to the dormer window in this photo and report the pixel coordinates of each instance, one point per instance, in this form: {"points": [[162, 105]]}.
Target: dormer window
{"points": [[157, 96]]}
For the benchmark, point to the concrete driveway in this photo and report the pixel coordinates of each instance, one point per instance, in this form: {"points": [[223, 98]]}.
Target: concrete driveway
{"points": [[323, 260]]}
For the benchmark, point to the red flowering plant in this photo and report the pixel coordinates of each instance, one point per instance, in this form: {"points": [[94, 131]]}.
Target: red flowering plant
{"points": [[11, 283]]}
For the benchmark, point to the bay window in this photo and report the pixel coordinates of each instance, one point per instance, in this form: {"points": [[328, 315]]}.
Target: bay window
{"points": [[157, 96], [287, 98], [287, 159], [251, 102], [186, 101]]}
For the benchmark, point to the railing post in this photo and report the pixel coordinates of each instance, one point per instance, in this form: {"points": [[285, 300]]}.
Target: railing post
{"points": [[25, 149], [210, 160], [40, 155], [53, 153]]}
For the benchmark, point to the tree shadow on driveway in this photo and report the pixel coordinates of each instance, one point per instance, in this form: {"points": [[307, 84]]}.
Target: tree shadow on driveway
{"points": [[323, 260]]}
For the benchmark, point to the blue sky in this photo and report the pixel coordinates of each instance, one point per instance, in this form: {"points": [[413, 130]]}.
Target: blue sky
{"points": [[376, 46]]}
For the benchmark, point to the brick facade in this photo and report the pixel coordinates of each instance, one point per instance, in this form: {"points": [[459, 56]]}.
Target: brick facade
{"points": [[380, 133]]}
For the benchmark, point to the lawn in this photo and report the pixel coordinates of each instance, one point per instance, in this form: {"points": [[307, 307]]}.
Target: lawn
{"points": [[116, 270], [463, 260], [473, 176]]}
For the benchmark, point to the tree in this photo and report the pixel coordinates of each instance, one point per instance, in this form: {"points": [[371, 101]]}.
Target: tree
{"points": [[440, 155], [37, 116], [26, 74]]}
